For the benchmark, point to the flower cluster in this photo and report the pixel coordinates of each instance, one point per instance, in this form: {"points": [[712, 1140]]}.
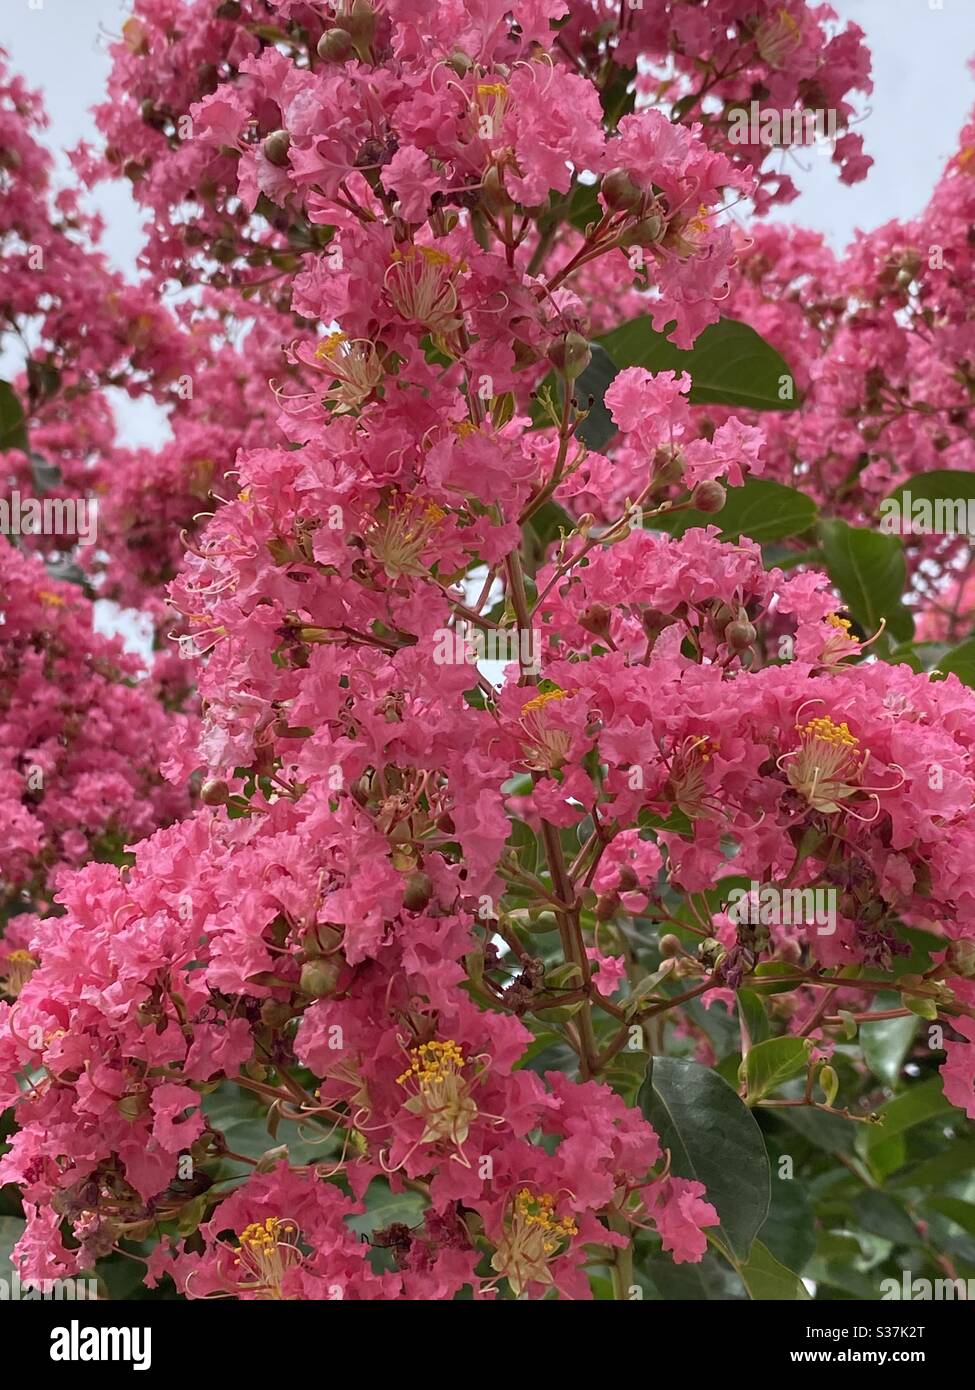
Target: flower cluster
{"points": [[373, 1020], [82, 736]]}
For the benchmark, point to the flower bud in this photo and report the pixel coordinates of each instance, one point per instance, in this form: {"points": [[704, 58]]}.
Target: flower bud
{"points": [[214, 792], [276, 148], [418, 892], [544, 922], [359, 23], [274, 1014], [131, 1106], [740, 635], [668, 467], [319, 977], [830, 1082], [670, 946], [335, 45], [619, 191], [646, 232], [494, 193], [596, 619], [709, 496], [570, 355], [460, 63]]}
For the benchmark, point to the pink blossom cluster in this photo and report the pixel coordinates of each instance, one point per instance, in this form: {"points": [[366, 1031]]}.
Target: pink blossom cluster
{"points": [[82, 735], [350, 928]]}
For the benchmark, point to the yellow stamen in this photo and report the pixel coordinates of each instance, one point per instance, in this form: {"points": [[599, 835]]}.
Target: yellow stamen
{"points": [[540, 701], [824, 728]]}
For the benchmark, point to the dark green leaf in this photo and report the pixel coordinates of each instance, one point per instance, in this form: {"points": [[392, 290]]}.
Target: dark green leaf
{"points": [[960, 661], [789, 1232], [882, 1215], [588, 389], [958, 1161], [753, 1011], [13, 424], [868, 569], [729, 364], [762, 510], [922, 1102], [957, 1210], [11, 1229], [714, 1138]]}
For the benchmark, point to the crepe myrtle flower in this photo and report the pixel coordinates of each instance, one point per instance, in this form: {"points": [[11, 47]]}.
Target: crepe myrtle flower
{"points": [[827, 766], [440, 1082], [535, 1235]]}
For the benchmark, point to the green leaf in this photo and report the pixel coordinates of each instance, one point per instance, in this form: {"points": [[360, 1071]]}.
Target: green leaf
{"points": [[868, 569], [709, 1280], [548, 522], [677, 821], [729, 364], [768, 1281], [753, 1011], [882, 1215], [713, 1138], [917, 1104], [13, 423], [789, 1232], [384, 1207], [584, 205], [960, 661], [522, 840], [647, 986], [778, 970], [773, 1062], [921, 1005], [598, 428], [830, 1133], [957, 1210], [762, 510], [886, 1043], [958, 1161]]}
